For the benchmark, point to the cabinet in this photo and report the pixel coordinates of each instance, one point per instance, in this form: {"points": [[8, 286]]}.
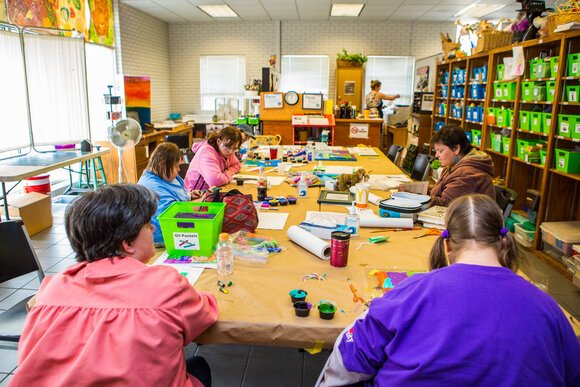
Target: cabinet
{"points": [[528, 109], [350, 85], [314, 132]]}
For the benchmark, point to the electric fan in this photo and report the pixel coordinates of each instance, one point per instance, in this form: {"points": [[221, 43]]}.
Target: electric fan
{"points": [[124, 134]]}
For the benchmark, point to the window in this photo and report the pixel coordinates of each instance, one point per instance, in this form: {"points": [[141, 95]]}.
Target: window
{"points": [[221, 77], [395, 73], [305, 74]]}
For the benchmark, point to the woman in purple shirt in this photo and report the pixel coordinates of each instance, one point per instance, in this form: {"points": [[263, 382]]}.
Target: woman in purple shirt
{"points": [[471, 321]]}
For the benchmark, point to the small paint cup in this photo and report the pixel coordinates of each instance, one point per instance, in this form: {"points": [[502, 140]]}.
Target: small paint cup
{"points": [[298, 295], [302, 308], [326, 310]]}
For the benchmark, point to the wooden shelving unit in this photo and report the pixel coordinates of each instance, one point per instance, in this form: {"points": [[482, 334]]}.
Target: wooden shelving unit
{"points": [[559, 191]]}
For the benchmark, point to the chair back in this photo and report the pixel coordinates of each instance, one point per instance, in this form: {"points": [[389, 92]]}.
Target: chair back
{"points": [[421, 167], [505, 199], [181, 140], [17, 256], [394, 152]]}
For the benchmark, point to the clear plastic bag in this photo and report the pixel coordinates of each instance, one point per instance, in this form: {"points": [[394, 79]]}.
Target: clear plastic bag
{"points": [[252, 247]]}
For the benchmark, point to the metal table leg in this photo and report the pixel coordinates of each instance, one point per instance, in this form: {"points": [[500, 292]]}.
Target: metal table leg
{"points": [[5, 197]]}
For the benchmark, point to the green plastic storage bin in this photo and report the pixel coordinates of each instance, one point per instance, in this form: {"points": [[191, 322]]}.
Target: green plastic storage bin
{"points": [[521, 146], [574, 64], [550, 91], [539, 93], [542, 68], [505, 145], [498, 90], [546, 122], [509, 90], [568, 160], [533, 66], [500, 72], [554, 65], [566, 125], [191, 236], [495, 141], [510, 118], [501, 117], [253, 120], [476, 137], [536, 121], [525, 120], [527, 91], [241, 120], [573, 93], [543, 156]]}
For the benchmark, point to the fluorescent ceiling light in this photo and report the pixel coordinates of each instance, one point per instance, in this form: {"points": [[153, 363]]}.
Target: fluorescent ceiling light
{"points": [[477, 10], [351, 10], [221, 10]]}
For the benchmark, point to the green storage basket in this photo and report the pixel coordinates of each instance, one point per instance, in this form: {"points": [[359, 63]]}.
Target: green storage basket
{"points": [[241, 121], [568, 160], [525, 120], [543, 156], [495, 141], [186, 236], [476, 137], [500, 72], [509, 90], [542, 68], [546, 122], [554, 62], [501, 117], [253, 120], [574, 64], [521, 146], [527, 91], [505, 145], [498, 90], [539, 93], [573, 93], [510, 118], [536, 121], [550, 91], [566, 125]]}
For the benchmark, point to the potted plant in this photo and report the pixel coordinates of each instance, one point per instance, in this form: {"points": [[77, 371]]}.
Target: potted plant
{"points": [[253, 88], [345, 59]]}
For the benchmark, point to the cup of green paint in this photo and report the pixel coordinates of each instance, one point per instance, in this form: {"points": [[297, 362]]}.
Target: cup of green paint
{"points": [[326, 310]]}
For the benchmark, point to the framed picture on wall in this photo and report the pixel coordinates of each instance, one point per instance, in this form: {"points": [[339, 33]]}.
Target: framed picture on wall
{"points": [[349, 87], [272, 100], [311, 101]]}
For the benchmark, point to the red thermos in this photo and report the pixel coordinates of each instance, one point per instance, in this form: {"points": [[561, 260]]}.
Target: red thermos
{"points": [[339, 243]]}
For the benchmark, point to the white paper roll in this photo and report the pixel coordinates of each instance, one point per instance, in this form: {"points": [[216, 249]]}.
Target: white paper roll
{"points": [[372, 197], [371, 221], [309, 242]]}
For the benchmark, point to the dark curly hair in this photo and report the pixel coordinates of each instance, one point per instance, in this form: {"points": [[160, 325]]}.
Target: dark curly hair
{"points": [[451, 136]]}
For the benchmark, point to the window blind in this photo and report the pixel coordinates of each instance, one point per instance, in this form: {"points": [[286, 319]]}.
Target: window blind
{"points": [[396, 73], [221, 76], [305, 74]]}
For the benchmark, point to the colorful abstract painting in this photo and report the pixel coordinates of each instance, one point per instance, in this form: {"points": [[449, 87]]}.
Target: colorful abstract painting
{"points": [[101, 29], [71, 15], [35, 13], [3, 15], [138, 97]]}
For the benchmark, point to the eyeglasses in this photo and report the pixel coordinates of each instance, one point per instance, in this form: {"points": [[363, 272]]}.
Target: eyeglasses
{"points": [[229, 148]]}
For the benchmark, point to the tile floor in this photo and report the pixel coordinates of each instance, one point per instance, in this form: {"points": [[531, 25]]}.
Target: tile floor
{"points": [[231, 365]]}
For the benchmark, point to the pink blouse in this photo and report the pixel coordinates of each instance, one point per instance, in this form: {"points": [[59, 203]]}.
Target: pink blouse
{"points": [[113, 322]]}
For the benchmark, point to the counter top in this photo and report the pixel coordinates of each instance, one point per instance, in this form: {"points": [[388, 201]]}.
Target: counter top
{"points": [[367, 121]]}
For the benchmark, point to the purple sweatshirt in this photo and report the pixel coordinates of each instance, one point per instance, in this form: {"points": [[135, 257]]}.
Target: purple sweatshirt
{"points": [[462, 325], [209, 168]]}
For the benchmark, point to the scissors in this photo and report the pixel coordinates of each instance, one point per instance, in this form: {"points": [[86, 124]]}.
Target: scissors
{"points": [[430, 231], [355, 296]]}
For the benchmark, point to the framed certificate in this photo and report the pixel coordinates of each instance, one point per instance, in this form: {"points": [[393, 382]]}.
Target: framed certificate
{"points": [[272, 100], [311, 101]]}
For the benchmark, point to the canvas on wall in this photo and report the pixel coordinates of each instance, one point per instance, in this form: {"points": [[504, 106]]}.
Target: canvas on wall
{"points": [[138, 97], [3, 15], [101, 29]]}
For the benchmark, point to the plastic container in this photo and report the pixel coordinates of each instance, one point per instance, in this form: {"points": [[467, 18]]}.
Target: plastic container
{"points": [[574, 64], [561, 235], [509, 90], [524, 233], [543, 157], [522, 145], [533, 64], [498, 90], [573, 93], [536, 120], [40, 184], [525, 120], [500, 72], [495, 141], [546, 122], [444, 91], [550, 91], [326, 310], [567, 160], [302, 308], [505, 145], [554, 65], [224, 255], [566, 125], [191, 236], [539, 93], [297, 295], [527, 90], [476, 137], [542, 69], [477, 91]]}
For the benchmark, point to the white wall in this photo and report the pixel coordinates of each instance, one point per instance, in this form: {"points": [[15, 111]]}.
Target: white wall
{"points": [[145, 52], [256, 40]]}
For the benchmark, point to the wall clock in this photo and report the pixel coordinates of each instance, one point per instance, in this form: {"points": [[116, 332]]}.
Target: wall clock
{"points": [[291, 98]]}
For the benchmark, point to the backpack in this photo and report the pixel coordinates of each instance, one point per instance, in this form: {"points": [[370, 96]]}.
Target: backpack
{"points": [[239, 214]]}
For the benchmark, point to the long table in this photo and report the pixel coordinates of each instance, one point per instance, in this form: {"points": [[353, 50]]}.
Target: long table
{"points": [[258, 309], [21, 167]]}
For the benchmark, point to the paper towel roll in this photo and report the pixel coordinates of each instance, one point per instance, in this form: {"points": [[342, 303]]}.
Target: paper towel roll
{"points": [[371, 221], [372, 197], [309, 242]]}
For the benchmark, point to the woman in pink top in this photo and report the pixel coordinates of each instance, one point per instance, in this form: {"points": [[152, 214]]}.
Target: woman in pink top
{"points": [[215, 160], [111, 320]]}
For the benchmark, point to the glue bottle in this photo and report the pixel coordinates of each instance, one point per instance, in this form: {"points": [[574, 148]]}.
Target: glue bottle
{"points": [[352, 221], [224, 255], [302, 186], [262, 183]]}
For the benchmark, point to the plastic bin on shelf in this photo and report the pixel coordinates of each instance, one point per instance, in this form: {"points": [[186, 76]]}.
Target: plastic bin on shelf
{"points": [[476, 137], [554, 64], [495, 141], [193, 235], [478, 91], [525, 119], [528, 91], [573, 93], [498, 90], [536, 120], [509, 90], [500, 72], [550, 91], [522, 145], [561, 235], [524, 233], [501, 117], [505, 145], [567, 160], [546, 122], [539, 92], [574, 64], [543, 157], [566, 125], [542, 68]]}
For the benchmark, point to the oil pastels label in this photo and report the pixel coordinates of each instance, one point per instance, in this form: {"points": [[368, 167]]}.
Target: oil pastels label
{"points": [[186, 240]]}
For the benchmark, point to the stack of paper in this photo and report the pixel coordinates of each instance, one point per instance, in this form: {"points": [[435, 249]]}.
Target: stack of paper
{"points": [[433, 217]]}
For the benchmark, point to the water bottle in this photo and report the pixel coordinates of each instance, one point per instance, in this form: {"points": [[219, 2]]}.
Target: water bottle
{"points": [[302, 186], [224, 255]]}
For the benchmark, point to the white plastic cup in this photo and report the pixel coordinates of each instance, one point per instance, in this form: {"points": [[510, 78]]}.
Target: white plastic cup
{"points": [[362, 195]]}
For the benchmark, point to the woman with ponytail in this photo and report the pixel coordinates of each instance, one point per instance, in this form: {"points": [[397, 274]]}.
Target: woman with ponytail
{"points": [[470, 321]]}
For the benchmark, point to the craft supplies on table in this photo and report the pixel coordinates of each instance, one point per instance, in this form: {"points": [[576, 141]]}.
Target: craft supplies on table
{"points": [[309, 242]]}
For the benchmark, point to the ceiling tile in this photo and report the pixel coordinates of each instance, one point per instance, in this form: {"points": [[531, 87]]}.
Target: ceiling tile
{"points": [[438, 16], [374, 12], [385, 2], [421, 2], [313, 10], [250, 12]]}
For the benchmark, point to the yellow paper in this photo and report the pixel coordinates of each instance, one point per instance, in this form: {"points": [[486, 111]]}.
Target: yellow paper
{"points": [[318, 345]]}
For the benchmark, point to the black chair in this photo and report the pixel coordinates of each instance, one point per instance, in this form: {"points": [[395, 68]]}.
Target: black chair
{"points": [[394, 153], [421, 167], [17, 258], [505, 198], [181, 140]]}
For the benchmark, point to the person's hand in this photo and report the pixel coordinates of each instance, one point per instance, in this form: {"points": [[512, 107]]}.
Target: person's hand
{"points": [[195, 194], [30, 304], [398, 96]]}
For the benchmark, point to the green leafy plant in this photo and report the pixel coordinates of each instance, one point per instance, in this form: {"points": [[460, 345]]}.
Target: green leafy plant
{"points": [[436, 164], [355, 58]]}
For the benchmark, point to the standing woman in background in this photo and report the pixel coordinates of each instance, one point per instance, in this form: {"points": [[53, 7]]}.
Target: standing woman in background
{"points": [[215, 161], [374, 99]]}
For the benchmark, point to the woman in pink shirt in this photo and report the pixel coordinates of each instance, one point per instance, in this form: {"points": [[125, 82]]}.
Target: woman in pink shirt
{"points": [[215, 160], [110, 319]]}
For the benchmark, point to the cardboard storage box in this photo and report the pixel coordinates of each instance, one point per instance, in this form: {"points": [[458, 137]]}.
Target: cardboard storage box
{"points": [[35, 210]]}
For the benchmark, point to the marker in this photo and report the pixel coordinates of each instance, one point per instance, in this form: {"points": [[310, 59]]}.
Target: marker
{"points": [[224, 291]]}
